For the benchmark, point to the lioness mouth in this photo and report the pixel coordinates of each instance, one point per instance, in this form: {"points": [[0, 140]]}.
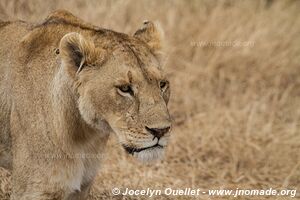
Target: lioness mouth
{"points": [[132, 150]]}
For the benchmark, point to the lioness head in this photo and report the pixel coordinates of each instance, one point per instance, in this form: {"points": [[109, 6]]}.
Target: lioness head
{"points": [[119, 81]]}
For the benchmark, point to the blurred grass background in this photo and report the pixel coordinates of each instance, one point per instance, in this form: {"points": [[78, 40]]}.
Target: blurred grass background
{"points": [[234, 68]]}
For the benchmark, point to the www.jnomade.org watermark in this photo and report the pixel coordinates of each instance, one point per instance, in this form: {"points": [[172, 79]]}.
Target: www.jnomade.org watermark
{"points": [[198, 192], [216, 44]]}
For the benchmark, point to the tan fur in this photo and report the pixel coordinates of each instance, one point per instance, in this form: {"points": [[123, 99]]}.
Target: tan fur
{"points": [[60, 100]]}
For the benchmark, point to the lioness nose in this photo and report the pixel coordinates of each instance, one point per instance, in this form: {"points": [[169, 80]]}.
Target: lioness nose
{"points": [[158, 132]]}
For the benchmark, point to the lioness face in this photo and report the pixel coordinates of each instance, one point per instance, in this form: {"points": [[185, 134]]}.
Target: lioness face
{"points": [[136, 100], [128, 91]]}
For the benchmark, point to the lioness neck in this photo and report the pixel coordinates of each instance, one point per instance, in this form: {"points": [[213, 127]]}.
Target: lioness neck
{"points": [[72, 132]]}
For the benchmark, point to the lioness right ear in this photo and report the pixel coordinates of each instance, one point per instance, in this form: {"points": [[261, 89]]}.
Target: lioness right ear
{"points": [[76, 50]]}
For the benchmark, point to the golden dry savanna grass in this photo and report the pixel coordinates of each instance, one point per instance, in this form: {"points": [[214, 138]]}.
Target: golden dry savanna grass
{"points": [[234, 68]]}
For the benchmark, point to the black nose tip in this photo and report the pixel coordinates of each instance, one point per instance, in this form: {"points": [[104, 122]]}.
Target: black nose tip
{"points": [[158, 132]]}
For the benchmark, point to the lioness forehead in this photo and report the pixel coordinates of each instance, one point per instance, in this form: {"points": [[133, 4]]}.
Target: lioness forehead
{"points": [[137, 63], [130, 75]]}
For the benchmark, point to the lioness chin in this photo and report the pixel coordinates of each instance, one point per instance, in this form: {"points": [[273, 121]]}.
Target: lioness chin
{"points": [[65, 86]]}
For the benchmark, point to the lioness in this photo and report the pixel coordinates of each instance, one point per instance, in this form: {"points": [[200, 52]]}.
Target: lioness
{"points": [[65, 85]]}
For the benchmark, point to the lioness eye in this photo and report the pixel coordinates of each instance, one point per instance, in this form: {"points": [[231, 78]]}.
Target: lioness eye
{"points": [[163, 84], [125, 89]]}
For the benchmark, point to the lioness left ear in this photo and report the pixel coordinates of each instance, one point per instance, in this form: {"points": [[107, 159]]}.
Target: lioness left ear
{"points": [[76, 50], [152, 35]]}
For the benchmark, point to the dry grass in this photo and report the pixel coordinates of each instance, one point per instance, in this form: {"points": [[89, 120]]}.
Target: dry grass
{"points": [[236, 108]]}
